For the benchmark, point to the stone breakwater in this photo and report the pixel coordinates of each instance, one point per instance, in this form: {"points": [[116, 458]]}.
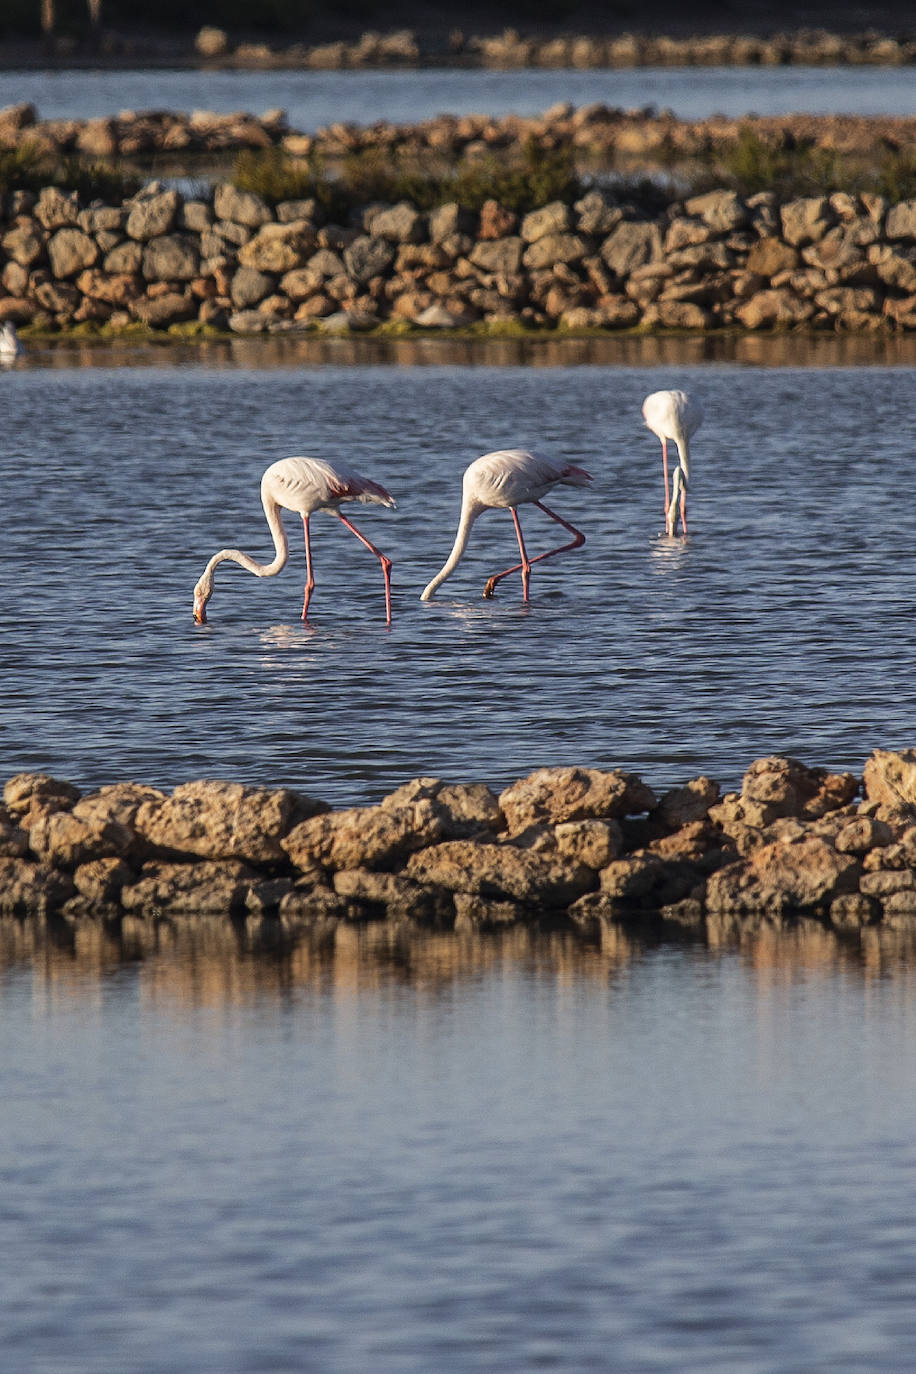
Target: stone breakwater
{"points": [[714, 261], [569, 847], [511, 49]]}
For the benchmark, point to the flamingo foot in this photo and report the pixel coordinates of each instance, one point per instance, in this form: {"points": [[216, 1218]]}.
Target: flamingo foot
{"points": [[490, 588]]}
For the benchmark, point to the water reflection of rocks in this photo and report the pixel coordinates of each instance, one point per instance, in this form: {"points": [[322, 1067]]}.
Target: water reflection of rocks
{"points": [[625, 350], [213, 962]]}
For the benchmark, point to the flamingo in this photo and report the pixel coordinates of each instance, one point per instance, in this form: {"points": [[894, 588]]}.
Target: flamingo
{"points": [[508, 478], [10, 346], [674, 415], [303, 485]]}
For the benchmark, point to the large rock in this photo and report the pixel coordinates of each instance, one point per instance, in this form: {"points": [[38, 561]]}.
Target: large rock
{"points": [[401, 223], [551, 795], [550, 249], [778, 877], [70, 251], [28, 889], [208, 888], [500, 870], [56, 209], [722, 211], [806, 220], [279, 248], [501, 257], [240, 207], [174, 257], [900, 222], [890, 779], [368, 257], [632, 244], [550, 219], [27, 796], [63, 840], [24, 243], [224, 820], [363, 836], [249, 286], [152, 214]]}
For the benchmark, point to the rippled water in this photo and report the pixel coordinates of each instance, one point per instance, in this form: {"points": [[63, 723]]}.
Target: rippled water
{"points": [[785, 622], [314, 99], [456, 1155]]}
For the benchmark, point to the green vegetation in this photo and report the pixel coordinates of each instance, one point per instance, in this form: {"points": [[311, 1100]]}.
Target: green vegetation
{"points": [[803, 169], [29, 168], [520, 180]]}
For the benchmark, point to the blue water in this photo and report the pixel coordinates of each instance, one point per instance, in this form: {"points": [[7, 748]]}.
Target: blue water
{"points": [[456, 1155], [784, 623], [315, 99]]}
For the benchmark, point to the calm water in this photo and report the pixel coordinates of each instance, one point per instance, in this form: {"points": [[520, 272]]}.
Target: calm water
{"points": [[785, 622], [454, 1155], [314, 99], [374, 1152]]}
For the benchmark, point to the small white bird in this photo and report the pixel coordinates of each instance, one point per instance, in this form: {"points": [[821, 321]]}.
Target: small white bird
{"points": [[10, 345], [508, 478], [303, 485], [676, 416]]}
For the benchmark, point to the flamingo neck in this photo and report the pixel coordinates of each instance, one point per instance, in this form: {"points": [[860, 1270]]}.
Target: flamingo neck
{"points": [[470, 509], [204, 588], [683, 452]]}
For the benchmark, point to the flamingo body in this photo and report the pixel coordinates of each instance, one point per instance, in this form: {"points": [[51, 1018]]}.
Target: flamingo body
{"points": [[303, 485], [673, 416], [507, 479], [10, 345]]}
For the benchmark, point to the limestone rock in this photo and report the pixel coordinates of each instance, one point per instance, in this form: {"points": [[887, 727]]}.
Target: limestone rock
{"points": [[206, 888], [570, 794], [29, 889], [890, 778], [681, 805], [62, 840], [29, 795], [240, 207], [69, 251], [172, 257], [224, 820], [783, 877], [499, 870], [363, 837], [152, 215]]}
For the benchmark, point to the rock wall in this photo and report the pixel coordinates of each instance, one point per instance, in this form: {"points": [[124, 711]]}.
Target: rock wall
{"points": [[714, 261], [510, 49], [573, 847]]}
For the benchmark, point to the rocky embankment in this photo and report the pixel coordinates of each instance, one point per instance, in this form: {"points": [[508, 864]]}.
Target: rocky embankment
{"points": [[231, 261], [512, 49], [573, 847]]}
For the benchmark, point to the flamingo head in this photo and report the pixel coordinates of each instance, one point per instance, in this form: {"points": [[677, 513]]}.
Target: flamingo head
{"points": [[202, 594]]}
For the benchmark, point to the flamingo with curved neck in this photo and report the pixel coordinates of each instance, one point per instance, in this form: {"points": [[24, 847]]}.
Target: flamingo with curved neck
{"points": [[303, 485], [506, 479]]}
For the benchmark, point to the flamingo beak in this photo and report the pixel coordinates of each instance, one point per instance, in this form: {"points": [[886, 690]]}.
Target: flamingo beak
{"points": [[200, 610]]}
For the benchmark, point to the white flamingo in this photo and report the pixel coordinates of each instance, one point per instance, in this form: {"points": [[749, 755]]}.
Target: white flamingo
{"points": [[10, 345], [508, 478], [673, 415], [303, 485]]}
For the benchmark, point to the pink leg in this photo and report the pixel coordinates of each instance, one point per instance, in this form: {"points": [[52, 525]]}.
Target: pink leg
{"points": [[526, 563], [385, 562], [665, 469], [309, 579]]}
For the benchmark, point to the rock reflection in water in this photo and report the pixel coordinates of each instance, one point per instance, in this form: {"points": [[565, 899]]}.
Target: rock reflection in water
{"points": [[437, 350], [213, 962]]}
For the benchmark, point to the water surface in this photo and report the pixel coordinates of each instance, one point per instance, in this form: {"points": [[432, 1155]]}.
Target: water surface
{"points": [[784, 623], [411, 1154], [315, 99]]}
